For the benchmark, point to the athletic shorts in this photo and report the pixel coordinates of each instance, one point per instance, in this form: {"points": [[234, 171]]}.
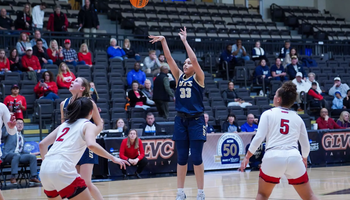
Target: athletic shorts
{"points": [[88, 157], [190, 128], [277, 163], [60, 178]]}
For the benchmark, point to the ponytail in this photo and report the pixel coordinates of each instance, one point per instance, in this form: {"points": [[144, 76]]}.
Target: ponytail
{"points": [[79, 108]]}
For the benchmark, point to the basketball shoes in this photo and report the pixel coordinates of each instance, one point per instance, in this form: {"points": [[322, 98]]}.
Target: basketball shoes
{"points": [[201, 196], [181, 196]]}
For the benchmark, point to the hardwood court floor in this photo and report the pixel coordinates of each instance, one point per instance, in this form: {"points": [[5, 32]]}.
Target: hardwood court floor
{"points": [[218, 185]]}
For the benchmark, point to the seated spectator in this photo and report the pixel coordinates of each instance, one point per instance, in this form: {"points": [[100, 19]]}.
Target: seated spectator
{"points": [[250, 125], [227, 56], [338, 86], [262, 73], [150, 128], [38, 16], [24, 19], [114, 51], [285, 50], [15, 61], [15, 102], [151, 63], [132, 150], [258, 53], [239, 52], [147, 90], [314, 97], [161, 59], [58, 21], [288, 59], [4, 62], [41, 52], [294, 68], [55, 52], [325, 122], [256, 160], [232, 98], [37, 36], [311, 79], [136, 75], [210, 128], [6, 23], [230, 125], [93, 92], [22, 44], [65, 76], [14, 154], [278, 72], [70, 55], [129, 52], [337, 104], [85, 55], [302, 88], [121, 126], [46, 87], [346, 100], [343, 120], [137, 98], [31, 64]]}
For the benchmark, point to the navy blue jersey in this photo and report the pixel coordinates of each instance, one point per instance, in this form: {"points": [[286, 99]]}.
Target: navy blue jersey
{"points": [[189, 96]]}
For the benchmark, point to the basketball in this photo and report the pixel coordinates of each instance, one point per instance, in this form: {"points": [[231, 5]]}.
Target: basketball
{"points": [[139, 3]]}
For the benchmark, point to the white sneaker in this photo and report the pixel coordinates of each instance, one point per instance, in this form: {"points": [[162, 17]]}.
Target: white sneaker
{"points": [[180, 196], [201, 196], [261, 93]]}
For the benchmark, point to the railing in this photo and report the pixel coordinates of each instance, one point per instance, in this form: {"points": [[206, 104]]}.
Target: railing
{"points": [[40, 122]]}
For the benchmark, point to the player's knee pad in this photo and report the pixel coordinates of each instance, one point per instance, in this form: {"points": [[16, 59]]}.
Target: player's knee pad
{"points": [[196, 152], [182, 148]]}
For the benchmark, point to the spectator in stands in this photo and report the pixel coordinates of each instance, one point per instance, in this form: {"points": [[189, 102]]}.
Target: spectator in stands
{"points": [[93, 92], [285, 50], [4, 62], [114, 51], [38, 16], [58, 21], [41, 52], [85, 55], [150, 128], [256, 160], [132, 150], [302, 88], [136, 75], [37, 36], [88, 19], [70, 55], [15, 61], [343, 120], [147, 90], [6, 23], [14, 154], [338, 86], [151, 63], [15, 102], [121, 126], [288, 59], [24, 19], [22, 44], [227, 56], [346, 100], [262, 73], [258, 53], [239, 51], [46, 87], [161, 59], [325, 122], [311, 79], [137, 98], [64, 77], [251, 124], [210, 128], [278, 72], [55, 52], [315, 99], [294, 68], [31, 64], [130, 53], [232, 98], [337, 103], [230, 125], [162, 92]]}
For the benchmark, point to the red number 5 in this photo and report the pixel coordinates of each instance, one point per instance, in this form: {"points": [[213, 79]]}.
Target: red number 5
{"points": [[284, 126], [65, 131]]}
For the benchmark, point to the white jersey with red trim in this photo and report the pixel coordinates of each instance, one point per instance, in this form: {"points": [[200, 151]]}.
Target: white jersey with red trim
{"points": [[70, 142], [282, 129]]}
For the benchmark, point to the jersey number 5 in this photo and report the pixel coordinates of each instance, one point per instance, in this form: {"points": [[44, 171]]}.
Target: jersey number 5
{"points": [[284, 126], [185, 93], [64, 132]]}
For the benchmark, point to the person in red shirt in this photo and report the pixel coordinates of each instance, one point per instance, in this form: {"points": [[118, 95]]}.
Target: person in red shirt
{"points": [[132, 150], [65, 76], [31, 62], [46, 87], [4, 62], [325, 122], [85, 55], [15, 102], [55, 52]]}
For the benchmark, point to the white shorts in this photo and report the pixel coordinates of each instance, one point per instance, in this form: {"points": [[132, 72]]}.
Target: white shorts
{"points": [[277, 163], [60, 178]]}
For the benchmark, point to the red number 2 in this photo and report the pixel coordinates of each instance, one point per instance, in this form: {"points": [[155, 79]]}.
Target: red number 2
{"points": [[64, 131], [284, 126]]}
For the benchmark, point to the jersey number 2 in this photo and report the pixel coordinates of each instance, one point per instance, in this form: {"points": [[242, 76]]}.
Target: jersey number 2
{"points": [[64, 132], [284, 126]]}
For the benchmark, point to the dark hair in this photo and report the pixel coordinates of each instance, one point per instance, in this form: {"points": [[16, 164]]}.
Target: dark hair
{"points": [[347, 91], [277, 59], [51, 76], [296, 52], [287, 41], [39, 40], [116, 125], [313, 83], [135, 82], [231, 115], [136, 63], [12, 51], [161, 55], [19, 119], [43, 4], [261, 61], [149, 114], [79, 108], [288, 94]]}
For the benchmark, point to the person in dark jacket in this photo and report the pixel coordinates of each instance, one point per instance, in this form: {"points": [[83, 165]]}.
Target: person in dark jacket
{"points": [[314, 98], [41, 52], [278, 72], [256, 160], [294, 68], [262, 73], [136, 97], [24, 19], [150, 128], [162, 92], [15, 61], [210, 128], [88, 19], [58, 21], [230, 125], [227, 56], [285, 50], [346, 100], [231, 97], [130, 52]]}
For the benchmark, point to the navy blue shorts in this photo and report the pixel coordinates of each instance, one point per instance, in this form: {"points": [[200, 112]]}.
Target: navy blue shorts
{"points": [[190, 129], [88, 158]]}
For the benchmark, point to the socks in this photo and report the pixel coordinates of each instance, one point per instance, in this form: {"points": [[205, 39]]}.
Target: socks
{"points": [[200, 191], [180, 190]]}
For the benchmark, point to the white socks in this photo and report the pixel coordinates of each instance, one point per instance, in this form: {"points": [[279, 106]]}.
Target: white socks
{"points": [[180, 190], [200, 191]]}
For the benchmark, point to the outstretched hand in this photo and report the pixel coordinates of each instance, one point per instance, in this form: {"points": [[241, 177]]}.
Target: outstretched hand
{"points": [[121, 162], [155, 39], [12, 123], [183, 34]]}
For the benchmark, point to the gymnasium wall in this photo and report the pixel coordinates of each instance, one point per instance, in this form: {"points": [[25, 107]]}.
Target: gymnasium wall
{"points": [[339, 7]]}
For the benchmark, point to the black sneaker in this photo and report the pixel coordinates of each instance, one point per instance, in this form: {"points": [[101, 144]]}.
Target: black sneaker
{"points": [[137, 175]]}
